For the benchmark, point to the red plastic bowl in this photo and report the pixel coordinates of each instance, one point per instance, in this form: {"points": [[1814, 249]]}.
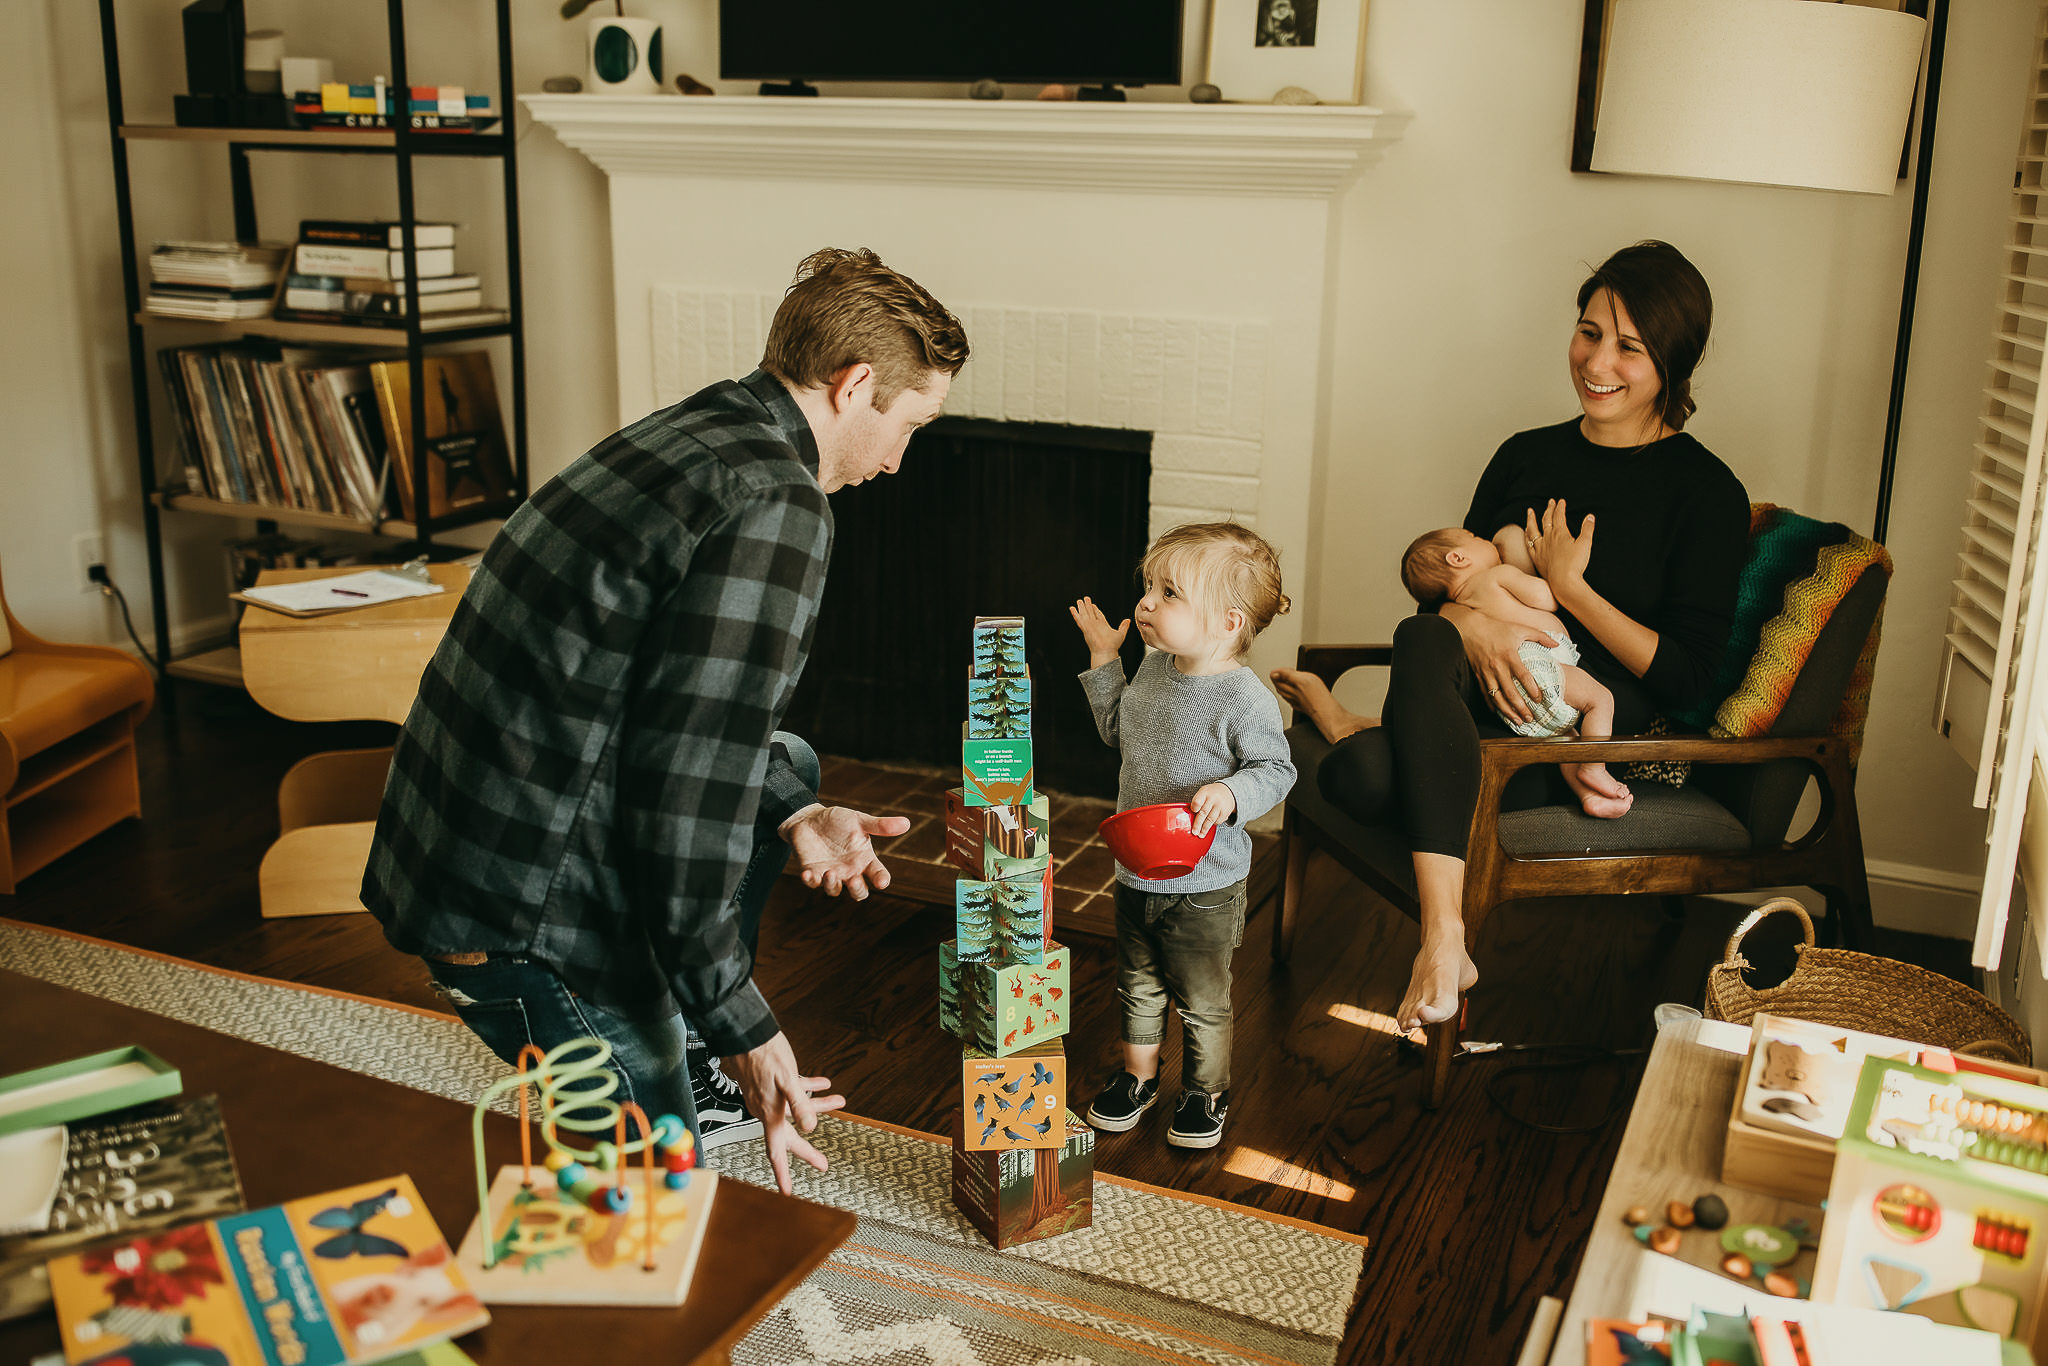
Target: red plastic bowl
{"points": [[1157, 842]]}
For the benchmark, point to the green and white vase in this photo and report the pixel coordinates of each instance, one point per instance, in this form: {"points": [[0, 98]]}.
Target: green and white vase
{"points": [[624, 57]]}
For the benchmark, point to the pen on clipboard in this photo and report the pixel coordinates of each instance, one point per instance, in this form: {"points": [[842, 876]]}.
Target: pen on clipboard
{"points": [[348, 592]]}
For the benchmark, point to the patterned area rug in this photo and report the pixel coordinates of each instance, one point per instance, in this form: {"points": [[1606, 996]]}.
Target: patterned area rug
{"points": [[1160, 1276]]}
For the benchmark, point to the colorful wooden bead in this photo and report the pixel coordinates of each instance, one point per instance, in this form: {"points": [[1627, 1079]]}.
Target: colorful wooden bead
{"points": [[617, 1199], [607, 1156], [587, 1189], [1778, 1283], [1738, 1266], [569, 1173], [557, 1159], [1637, 1216], [667, 1128], [676, 1181], [1678, 1214], [678, 1161], [1664, 1240], [1710, 1211], [1643, 1232]]}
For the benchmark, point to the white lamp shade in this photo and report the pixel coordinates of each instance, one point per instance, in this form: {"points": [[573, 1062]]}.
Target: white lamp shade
{"points": [[1770, 92]]}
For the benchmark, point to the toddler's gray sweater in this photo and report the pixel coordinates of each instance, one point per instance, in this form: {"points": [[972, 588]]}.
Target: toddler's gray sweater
{"points": [[1179, 733]]}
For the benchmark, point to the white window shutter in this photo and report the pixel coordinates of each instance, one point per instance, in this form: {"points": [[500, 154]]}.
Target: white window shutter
{"points": [[1987, 698]]}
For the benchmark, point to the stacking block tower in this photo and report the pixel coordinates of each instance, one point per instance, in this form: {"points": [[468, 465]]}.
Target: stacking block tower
{"points": [[1023, 1164]]}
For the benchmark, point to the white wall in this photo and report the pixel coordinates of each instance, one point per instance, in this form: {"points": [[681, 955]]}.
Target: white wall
{"points": [[1457, 255]]}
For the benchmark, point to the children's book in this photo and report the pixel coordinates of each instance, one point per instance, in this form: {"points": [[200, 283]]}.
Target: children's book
{"points": [[125, 1173], [353, 1276]]}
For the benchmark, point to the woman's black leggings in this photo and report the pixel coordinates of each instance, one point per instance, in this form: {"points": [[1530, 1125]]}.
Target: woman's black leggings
{"points": [[1419, 767]]}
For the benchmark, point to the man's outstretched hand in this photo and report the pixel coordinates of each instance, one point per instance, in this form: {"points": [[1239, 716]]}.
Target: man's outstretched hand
{"points": [[835, 848], [784, 1100]]}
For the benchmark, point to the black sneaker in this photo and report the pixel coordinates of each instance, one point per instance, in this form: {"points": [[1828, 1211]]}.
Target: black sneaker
{"points": [[1198, 1120], [1123, 1102], [722, 1116]]}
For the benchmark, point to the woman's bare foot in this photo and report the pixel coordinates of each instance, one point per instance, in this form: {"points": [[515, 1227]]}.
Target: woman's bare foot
{"points": [[1600, 793], [1443, 972], [1310, 696]]}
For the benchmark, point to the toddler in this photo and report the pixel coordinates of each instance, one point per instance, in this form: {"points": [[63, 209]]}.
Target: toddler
{"points": [[1454, 565], [1195, 726]]}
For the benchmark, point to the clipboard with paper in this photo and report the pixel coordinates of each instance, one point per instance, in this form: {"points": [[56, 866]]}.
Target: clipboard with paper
{"points": [[343, 592]]}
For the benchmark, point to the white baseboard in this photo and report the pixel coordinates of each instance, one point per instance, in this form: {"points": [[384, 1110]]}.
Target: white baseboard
{"points": [[1903, 896]]}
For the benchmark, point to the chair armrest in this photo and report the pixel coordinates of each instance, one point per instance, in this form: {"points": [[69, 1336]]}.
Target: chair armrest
{"points": [[1503, 757], [1332, 662]]}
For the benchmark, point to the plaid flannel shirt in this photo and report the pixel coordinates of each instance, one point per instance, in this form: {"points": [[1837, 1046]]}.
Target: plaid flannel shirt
{"points": [[583, 774]]}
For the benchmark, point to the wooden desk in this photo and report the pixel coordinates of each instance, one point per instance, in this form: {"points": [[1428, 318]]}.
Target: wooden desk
{"points": [[360, 665], [299, 1127], [1671, 1151]]}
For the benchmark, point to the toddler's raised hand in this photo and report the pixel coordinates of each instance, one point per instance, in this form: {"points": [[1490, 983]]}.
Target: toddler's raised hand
{"points": [[1103, 640], [1213, 803]]}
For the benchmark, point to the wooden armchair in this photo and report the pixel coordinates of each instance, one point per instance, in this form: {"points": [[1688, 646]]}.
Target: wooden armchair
{"points": [[1724, 831], [67, 744]]}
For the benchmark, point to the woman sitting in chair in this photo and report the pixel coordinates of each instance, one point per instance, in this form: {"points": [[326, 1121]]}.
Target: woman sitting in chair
{"points": [[1650, 611]]}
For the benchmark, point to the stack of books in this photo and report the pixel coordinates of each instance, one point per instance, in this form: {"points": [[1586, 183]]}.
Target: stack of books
{"points": [[429, 108], [215, 281], [354, 272]]}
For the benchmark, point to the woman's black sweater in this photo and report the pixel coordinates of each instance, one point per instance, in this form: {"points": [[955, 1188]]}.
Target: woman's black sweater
{"points": [[1670, 536]]}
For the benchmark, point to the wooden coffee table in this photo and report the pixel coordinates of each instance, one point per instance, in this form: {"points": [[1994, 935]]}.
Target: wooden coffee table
{"points": [[299, 1127]]}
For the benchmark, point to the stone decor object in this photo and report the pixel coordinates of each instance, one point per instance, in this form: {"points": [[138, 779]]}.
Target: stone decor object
{"points": [[562, 85], [1204, 93], [985, 90], [690, 85], [1294, 94]]}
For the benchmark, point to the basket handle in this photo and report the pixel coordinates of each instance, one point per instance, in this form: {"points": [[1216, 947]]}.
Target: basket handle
{"points": [[1732, 955]]}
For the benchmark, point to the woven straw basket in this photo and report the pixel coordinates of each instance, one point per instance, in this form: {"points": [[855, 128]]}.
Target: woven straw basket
{"points": [[1847, 990]]}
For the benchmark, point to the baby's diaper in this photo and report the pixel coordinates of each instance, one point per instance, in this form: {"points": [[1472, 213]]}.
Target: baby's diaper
{"points": [[1552, 716]]}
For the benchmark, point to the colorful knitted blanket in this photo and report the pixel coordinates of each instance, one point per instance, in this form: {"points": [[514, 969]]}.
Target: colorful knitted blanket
{"points": [[1798, 572]]}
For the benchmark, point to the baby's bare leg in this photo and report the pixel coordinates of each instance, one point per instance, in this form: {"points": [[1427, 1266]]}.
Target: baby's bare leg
{"points": [[1599, 792]]}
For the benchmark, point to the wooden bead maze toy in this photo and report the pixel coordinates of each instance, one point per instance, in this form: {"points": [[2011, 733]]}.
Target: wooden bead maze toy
{"points": [[577, 1228]]}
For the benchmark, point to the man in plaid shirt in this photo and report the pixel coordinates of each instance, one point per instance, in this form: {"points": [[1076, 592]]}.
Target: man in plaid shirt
{"points": [[590, 801]]}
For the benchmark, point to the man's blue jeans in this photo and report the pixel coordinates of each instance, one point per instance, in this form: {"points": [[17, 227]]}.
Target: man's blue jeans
{"points": [[510, 1000]]}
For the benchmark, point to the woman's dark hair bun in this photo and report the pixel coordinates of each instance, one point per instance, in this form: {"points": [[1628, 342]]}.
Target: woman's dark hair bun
{"points": [[1673, 311]]}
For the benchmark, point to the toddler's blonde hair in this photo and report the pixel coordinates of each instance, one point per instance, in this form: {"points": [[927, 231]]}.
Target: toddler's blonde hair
{"points": [[1218, 566]]}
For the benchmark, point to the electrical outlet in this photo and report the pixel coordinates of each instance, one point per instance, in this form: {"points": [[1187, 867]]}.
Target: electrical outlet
{"points": [[91, 549]]}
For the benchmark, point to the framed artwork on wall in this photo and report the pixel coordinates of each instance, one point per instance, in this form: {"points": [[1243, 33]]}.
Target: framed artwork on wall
{"points": [[1257, 47]]}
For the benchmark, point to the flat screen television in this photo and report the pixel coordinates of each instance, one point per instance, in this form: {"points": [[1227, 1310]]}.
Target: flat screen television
{"points": [[1092, 42]]}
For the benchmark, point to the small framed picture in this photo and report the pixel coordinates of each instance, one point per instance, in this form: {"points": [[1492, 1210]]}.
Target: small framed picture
{"points": [[1257, 47]]}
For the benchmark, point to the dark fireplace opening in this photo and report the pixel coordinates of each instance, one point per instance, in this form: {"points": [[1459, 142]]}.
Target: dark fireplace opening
{"points": [[983, 519]]}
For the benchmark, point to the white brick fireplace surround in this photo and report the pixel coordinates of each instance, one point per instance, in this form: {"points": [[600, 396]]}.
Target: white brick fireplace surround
{"points": [[1158, 267]]}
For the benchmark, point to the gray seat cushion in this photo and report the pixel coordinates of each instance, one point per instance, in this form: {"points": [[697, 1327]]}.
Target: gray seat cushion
{"points": [[1663, 818]]}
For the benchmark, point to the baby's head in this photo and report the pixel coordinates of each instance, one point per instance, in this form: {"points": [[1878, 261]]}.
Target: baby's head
{"points": [[1439, 562], [1227, 575]]}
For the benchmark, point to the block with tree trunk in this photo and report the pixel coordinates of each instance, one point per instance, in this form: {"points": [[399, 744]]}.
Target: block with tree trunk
{"points": [[998, 647], [1003, 1008], [998, 843], [995, 772], [1001, 922], [1019, 1101], [1024, 1195], [999, 708]]}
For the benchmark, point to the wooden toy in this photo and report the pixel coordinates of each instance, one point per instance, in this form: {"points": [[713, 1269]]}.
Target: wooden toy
{"points": [[1017, 1101], [998, 843], [1004, 1009], [1024, 1195], [582, 1229], [1000, 922], [1794, 1102], [1940, 1185], [999, 708]]}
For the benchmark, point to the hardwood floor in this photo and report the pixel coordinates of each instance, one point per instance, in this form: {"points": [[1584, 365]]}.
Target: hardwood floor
{"points": [[1472, 1215]]}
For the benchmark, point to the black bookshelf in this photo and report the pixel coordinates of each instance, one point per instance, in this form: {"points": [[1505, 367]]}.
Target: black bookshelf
{"points": [[402, 145]]}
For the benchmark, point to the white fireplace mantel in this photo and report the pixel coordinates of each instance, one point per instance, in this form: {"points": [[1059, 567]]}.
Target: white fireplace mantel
{"points": [[1216, 149]]}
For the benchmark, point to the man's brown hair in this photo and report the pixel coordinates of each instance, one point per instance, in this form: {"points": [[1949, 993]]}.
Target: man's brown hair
{"points": [[845, 307]]}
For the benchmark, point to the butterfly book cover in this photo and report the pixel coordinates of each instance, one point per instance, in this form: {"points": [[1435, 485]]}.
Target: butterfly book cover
{"points": [[350, 1277]]}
